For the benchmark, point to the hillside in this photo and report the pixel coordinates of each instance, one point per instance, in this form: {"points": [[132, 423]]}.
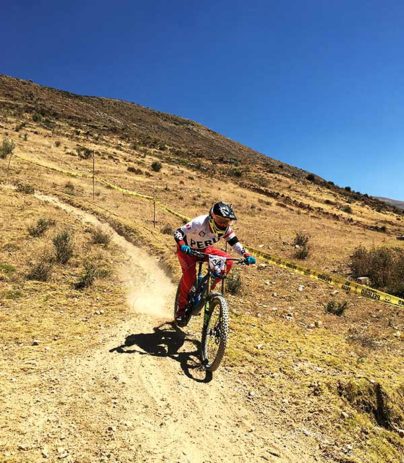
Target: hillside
{"points": [[325, 387], [393, 202]]}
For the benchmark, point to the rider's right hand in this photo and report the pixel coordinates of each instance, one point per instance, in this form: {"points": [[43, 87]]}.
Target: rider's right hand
{"points": [[185, 249]]}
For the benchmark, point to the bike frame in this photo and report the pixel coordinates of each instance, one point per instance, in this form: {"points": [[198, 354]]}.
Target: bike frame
{"points": [[200, 279]]}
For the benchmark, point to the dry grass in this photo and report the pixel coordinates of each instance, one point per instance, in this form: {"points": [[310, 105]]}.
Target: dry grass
{"points": [[303, 350]]}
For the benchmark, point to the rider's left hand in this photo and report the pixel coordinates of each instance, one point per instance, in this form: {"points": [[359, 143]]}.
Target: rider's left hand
{"points": [[249, 260]]}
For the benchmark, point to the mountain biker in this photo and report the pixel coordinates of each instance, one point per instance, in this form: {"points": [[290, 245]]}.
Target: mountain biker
{"points": [[200, 234]]}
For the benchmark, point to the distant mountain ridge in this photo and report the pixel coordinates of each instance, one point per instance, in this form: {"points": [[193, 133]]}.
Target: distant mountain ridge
{"points": [[392, 202]]}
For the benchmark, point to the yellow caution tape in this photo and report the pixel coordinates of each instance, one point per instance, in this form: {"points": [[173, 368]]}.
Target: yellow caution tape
{"points": [[338, 281]]}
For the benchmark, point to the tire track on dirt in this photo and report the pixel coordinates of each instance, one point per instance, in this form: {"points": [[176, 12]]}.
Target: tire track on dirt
{"points": [[137, 397]]}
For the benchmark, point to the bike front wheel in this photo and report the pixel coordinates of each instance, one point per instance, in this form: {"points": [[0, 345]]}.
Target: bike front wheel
{"points": [[215, 332]]}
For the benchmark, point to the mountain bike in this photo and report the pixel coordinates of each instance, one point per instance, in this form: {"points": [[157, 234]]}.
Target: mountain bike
{"points": [[215, 327]]}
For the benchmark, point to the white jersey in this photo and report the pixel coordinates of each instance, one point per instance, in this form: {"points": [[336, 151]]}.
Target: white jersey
{"points": [[198, 235]]}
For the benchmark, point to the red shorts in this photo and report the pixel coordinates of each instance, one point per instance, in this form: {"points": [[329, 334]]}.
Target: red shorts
{"points": [[188, 264]]}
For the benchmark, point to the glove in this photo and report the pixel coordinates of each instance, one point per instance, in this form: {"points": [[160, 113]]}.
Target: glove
{"points": [[185, 249], [249, 260]]}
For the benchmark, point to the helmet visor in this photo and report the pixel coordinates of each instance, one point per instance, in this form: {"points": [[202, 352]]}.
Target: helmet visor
{"points": [[222, 222]]}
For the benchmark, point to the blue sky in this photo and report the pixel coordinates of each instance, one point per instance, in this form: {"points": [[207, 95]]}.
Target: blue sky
{"points": [[318, 84]]}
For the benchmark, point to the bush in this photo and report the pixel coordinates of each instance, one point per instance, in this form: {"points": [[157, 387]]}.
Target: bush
{"points": [[301, 239], [347, 209], [6, 148], [90, 273], [236, 172], [88, 276], [25, 188], [135, 170], [69, 188], [233, 283], [84, 153], [36, 117], [301, 243], [383, 266], [40, 228], [310, 177], [167, 229], [42, 269], [156, 166], [63, 243], [336, 308], [100, 237]]}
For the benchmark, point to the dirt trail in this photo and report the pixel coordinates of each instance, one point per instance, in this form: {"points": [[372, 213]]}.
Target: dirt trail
{"points": [[136, 397]]}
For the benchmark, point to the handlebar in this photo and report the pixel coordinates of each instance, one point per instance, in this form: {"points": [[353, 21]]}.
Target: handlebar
{"points": [[202, 255]]}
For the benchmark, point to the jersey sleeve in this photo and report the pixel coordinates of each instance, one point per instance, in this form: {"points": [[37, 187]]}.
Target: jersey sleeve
{"points": [[233, 241], [180, 235]]}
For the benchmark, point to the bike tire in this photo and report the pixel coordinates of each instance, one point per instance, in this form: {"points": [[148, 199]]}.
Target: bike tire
{"points": [[177, 295], [215, 335]]}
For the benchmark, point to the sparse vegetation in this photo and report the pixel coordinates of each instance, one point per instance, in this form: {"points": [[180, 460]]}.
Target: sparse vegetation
{"points": [[69, 188], [88, 276], [6, 148], [135, 170], [41, 269], [167, 229], [99, 236], [301, 244], [90, 273], [25, 188], [156, 166], [84, 153], [63, 243], [383, 266], [40, 228], [7, 269], [336, 308], [233, 283]]}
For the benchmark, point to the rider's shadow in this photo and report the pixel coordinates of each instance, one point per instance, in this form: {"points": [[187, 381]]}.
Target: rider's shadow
{"points": [[166, 342]]}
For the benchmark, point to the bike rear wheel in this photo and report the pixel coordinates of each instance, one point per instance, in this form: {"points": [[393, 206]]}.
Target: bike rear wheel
{"points": [[177, 296], [215, 333]]}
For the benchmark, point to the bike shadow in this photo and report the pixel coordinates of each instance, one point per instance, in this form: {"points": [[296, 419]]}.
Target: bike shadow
{"points": [[166, 341]]}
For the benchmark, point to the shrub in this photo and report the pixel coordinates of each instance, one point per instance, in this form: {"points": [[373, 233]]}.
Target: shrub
{"points": [[310, 177], [156, 166], [57, 143], [383, 266], [236, 172], [90, 273], [6, 148], [63, 243], [40, 228], [167, 229], [41, 270], [135, 170], [84, 153], [36, 117], [25, 188], [302, 252], [301, 243], [100, 237], [347, 209], [88, 277], [69, 188], [233, 283], [336, 308], [301, 239]]}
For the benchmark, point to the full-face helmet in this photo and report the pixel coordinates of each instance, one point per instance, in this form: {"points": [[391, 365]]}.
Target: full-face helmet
{"points": [[221, 214]]}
